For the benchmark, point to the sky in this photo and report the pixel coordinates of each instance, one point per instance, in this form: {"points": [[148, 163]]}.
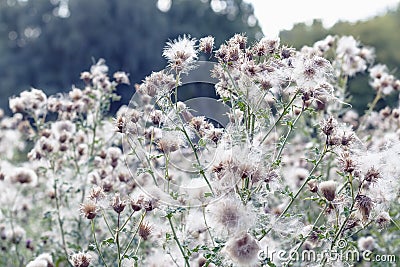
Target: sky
{"points": [[277, 15]]}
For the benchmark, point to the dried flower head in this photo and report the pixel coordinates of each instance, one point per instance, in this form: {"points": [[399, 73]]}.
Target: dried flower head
{"points": [[347, 163], [120, 124], [96, 193], [81, 259], [328, 126], [313, 186], [206, 44], [89, 209], [372, 175], [181, 53], [383, 219], [328, 189], [121, 77], [167, 145], [117, 204], [145, 230], [43, 260], [364, 205], [366, 243], [24, 176], [242, 249]]}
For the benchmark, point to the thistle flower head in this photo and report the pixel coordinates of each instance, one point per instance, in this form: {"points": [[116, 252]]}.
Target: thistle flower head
{"points": [[96, 193], [117, 204], [121, 77], [328, 189], [81, 259], [383, 219], [372, 175], [89, 209], [364, 205], [242, 249], [144, 230], [366, 243], [347, 163], [328, 126], [206, 44], [43, 260], [181, 53]]}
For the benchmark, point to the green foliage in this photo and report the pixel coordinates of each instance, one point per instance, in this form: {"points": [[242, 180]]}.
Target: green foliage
{"points": [[42, 49]]}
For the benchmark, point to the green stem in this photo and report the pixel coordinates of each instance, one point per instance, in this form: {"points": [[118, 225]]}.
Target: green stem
{"points": [[108, 225], [134, 235], [60, 222], [305, 238], [177, 241], [284, 112], [291, 127], [340, 231], [298, 191], [117, 240], [208, 228], [96, 243], [197, 159]]}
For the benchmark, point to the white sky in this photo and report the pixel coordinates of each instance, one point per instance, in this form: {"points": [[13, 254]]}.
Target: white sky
{"points": [[276, 15]]}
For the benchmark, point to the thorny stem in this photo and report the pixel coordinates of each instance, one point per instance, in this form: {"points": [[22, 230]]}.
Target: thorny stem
{"points": [[108, 225], [284, 112], [340, 231], [147, 159], [16, 243], [291, 127], [305, 238], [325, 151], [127, 220], [96, 243], [166, 162], [133, 236], [136, 251], [177, 241], [374, 102], [183, 130], [197, 159], [117, 240], [208, 228], [60, 222], [347, 218]]}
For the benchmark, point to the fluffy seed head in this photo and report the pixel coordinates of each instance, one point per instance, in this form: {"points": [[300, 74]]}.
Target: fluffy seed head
{"points": [[242, 249], [372, 175], [328, 126], [145, 230], [81, 259], [181, 53], [366, 243], [364, 205], [206, 44], [328, 189], [89, 209], [383, 219]]}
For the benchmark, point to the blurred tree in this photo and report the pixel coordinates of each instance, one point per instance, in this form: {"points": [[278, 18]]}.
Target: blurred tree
{"points": [[378, 32], [47, 43]]}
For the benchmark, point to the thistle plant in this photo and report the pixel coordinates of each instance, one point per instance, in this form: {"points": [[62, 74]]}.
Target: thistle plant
{"points": [[288, 167]]}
